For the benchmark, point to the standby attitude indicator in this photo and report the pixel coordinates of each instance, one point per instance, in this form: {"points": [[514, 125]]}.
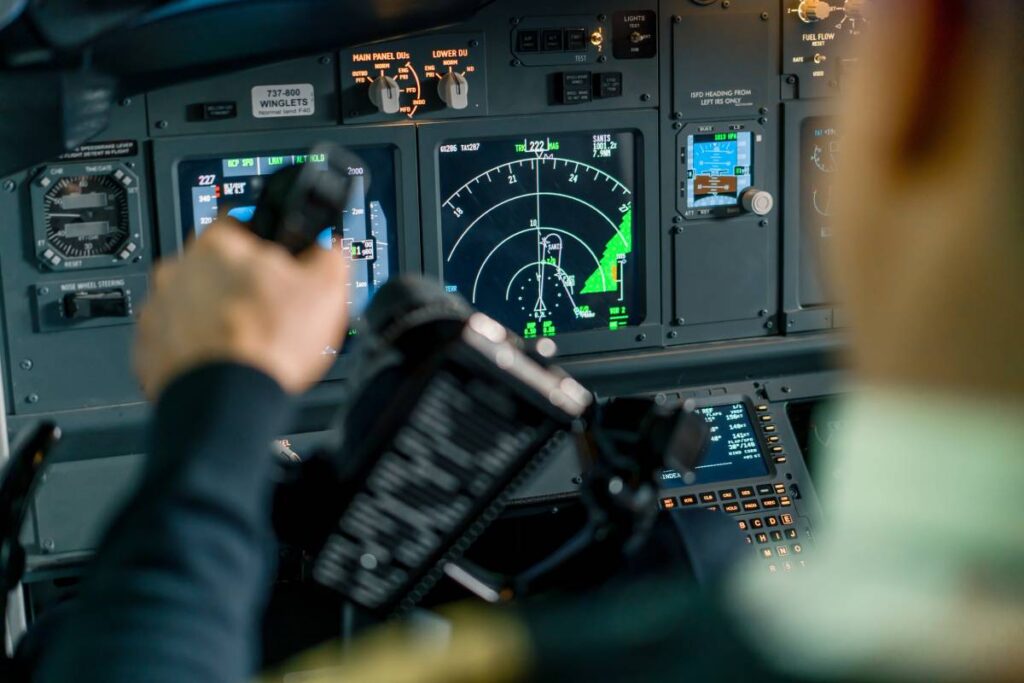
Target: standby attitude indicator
{"points": [[542, 232]]}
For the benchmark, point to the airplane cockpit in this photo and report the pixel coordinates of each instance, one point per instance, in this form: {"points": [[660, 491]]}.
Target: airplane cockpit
{"points": [[595, 329]]}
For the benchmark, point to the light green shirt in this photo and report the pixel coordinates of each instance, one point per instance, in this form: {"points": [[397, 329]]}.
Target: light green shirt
{"points": [[918, 569]]}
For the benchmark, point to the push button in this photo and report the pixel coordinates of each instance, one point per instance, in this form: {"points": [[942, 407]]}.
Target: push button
{"points": [[668, 503], [757, 523], [766, 553], [761, 537], [746, 492], [609, 84], [771, 520], [708, 497], [776, 535], [769, 503], [742, 524], [791, 534], [727, 494], [551, 40], [527, 41], [731, 507], [764, 489], [688, 500], [575, 40], [787, 519], [751, 505]]}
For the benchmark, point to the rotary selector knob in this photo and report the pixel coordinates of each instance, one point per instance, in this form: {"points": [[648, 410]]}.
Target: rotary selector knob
{"points": [[386, 95], [454, 90], [811, 11], [757, 201]]}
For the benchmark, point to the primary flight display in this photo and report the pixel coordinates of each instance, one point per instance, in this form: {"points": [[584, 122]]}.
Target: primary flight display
{"points": [[542, 232]]}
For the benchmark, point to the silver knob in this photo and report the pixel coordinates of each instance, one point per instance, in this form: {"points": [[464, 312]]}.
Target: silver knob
{"points": [[811, 11], [757, 201], [454, 90], [386, 95]]}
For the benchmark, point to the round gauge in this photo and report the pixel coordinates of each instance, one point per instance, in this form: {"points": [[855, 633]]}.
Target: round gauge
{"points": [[86, 216]]}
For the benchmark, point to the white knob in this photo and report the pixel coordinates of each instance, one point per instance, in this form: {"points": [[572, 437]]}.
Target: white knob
{"points": [[757, 201], [811, 11], [454, 90], [386, 95]]}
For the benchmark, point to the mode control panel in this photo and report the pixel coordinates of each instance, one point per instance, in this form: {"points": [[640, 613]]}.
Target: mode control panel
{"points": [[436, 76]]}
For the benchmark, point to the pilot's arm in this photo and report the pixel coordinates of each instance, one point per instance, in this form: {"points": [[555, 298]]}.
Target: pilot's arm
{"points": [[177, 588]]}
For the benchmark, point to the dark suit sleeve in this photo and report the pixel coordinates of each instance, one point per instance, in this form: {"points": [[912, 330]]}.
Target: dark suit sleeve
{"points": [[177, 588]]}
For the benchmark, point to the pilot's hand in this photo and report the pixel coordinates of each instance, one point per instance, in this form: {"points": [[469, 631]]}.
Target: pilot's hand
{"points": [[237, 298]]}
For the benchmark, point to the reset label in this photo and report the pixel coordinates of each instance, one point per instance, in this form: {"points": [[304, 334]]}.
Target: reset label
{"points": [[292, 99]]}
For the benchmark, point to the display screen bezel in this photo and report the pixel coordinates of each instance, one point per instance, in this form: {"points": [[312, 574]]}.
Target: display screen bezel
{"points": [[644, 126], [168, 153], [635, 304]]}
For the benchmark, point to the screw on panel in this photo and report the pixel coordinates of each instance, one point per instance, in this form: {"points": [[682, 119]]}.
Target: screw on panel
{"points": [[602, 59], [763, 223], [764, 16], [786, 389], [43, 291], [130, 164], [725, 4], [833, 84], [677, 126], [769, 325], [26, 364], [641, 337], [789, 323], [474, 43], [675, 230], [762, 111], [48, 545], [679, 321], [514, 20], [325, 60], [676, 19], [791, 79], [161, 124], [516, 62], [762, 313], [673, 334], [32, 398], [646, 97], [677, 219], [125, 102], [762, 120], [577, 480], [601, 17], [677, 115], [9, 185]]}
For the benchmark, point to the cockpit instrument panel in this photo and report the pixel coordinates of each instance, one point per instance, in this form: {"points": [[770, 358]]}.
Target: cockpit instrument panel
{"points": [[543, 232], [213, 187]]}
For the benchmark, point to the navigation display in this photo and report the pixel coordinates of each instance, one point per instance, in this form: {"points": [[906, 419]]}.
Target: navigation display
{"points": [[732, 451], [719, 167], [230, 186], [542, 232]]}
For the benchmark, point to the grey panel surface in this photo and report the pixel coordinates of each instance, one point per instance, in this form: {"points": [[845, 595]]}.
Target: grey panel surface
{"points": [[723, 272], [79, 368], [76, 501], [172, 111], [725, 65]]}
